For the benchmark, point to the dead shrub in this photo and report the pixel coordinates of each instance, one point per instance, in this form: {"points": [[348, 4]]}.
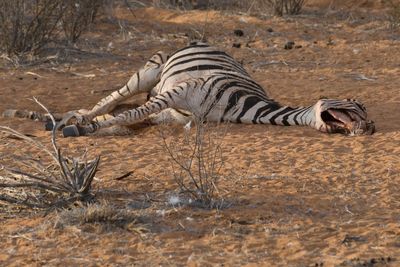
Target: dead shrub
{"points": [[27, 25], [77, 16], [278, 7], [197, 161], [291, 7], [47, 179], [208, 4], [182, 4], [393, 13]]}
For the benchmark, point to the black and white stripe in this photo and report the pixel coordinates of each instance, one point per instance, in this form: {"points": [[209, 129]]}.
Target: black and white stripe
{"points": [[206, 82]]}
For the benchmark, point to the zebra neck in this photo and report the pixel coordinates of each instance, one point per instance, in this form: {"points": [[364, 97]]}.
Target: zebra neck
{"points": [[285, 115]]}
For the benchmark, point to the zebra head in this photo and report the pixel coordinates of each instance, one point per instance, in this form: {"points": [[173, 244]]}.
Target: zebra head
{"points": [[347, 117]]}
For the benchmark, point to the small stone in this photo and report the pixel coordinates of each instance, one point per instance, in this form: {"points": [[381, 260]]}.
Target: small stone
{"points": [[289, 45], [270, 30], [298, 46], [236, 45], [238, 32]]}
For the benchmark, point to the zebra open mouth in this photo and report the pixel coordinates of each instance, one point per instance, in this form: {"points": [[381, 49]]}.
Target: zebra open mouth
{"points": [[346, 122]]}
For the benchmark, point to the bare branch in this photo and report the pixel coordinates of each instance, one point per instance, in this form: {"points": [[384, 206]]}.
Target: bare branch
{"points": [[198, 159]]}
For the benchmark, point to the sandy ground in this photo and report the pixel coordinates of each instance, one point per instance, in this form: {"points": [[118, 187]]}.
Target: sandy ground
{"points": [[296, 197]]}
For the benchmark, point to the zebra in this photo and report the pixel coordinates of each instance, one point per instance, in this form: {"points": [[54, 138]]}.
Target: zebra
{"points": [[201, 81]]}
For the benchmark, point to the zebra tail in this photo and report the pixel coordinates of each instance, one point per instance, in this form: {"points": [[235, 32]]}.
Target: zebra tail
{"points": [[32, 115], [27, 114]]}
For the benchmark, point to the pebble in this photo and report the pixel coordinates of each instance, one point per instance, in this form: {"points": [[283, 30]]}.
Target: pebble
{"points": [[289, 45], [238, 32], [236, 45]]}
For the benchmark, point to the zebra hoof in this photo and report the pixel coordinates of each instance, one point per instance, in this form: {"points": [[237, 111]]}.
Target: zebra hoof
{"points": [[49, 126], [72, 131]]}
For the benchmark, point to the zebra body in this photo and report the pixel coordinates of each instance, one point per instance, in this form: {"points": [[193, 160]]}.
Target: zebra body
{"points": [[204, 82]]}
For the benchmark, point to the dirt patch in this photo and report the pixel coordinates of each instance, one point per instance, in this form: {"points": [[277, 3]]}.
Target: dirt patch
{"points": [[296, 197]]}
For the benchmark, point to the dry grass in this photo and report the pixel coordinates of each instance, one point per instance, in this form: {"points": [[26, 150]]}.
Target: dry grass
{"points": [[102, 214]]}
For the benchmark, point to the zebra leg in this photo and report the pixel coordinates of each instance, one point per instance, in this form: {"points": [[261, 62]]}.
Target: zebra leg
{"points": [[156, 104], [142, 81], [166, 116], [116, 130]]}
